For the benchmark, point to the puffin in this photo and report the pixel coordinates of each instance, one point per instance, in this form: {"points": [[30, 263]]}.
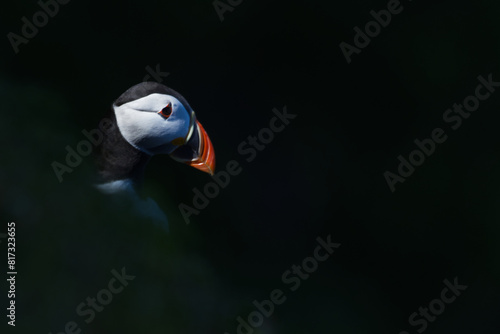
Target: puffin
{"points": [[149, 119]]}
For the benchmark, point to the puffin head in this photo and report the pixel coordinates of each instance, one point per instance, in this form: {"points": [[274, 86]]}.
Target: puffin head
{"points": [[156, 119]]}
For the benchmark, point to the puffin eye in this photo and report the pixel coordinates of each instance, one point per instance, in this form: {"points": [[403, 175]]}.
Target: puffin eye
{"points": [[167, 111]]}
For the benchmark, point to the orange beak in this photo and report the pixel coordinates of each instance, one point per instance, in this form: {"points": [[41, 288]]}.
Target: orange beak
{"points": [[205, 161]]}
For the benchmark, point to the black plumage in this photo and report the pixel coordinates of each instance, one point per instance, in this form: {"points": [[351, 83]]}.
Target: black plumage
{"points": [[117, 159]]}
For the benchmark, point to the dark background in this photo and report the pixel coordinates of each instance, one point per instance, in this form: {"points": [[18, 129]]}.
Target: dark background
{"points": [[322, 175]]}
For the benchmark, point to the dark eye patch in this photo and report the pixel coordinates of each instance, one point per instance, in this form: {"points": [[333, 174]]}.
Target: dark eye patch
{"points": [[167, 111]]}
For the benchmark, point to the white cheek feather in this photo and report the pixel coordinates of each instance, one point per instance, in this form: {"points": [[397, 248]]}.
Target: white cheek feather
{"points": [[152, 102], [142, 126]]}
